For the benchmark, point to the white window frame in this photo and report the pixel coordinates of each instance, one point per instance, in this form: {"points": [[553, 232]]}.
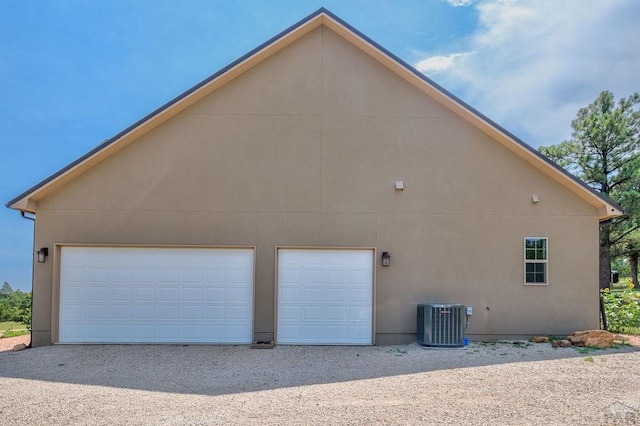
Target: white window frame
{"points": [[544, 261]]}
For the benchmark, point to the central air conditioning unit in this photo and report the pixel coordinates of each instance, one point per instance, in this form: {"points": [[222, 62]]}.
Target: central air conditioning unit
{"points": [[441, 325]]}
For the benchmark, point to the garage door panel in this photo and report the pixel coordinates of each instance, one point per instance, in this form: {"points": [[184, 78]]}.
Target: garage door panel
{"points": [[118, 293], [312, 313], [325, 296], [96, 293], [146, 295], [121, 312], [360, 295], [214, 312], [169, 276], [76, 293], [142, 332], [313, 293], [143, 312], [121, 276], [189, 312], [121, 332], [336, 333], [169, 312], [312, 277], [76, 275], [336, 277], [213, 293], [289, 294], [289, 312], [338, 313], [336, 295], [97, 312], [289, 277], [191, 294], [75, 311], [96, 276], [236, 294], [191, 276], [166, 293], [141, 294], [359, 313], [359, 277], [314, 333]]}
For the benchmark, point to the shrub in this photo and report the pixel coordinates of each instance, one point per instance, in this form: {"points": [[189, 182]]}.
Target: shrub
{"points": [[622, 309]]}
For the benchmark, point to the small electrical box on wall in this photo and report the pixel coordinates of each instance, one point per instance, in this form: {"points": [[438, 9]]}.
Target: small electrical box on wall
{"points": [[469, 311]]}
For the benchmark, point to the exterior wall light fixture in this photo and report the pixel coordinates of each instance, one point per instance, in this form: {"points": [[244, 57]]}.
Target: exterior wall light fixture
{"points": [[42, 254], [386, 259]]}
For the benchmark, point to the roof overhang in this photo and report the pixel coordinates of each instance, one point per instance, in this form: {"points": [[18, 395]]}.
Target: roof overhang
{"points": [[27, 201]]}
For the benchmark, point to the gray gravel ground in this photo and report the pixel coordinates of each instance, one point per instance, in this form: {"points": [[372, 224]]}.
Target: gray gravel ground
{"points": [[484, 383]]}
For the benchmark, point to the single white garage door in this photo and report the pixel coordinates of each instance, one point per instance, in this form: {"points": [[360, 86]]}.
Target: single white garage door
{"points": [[325, 297], [155, 295]]}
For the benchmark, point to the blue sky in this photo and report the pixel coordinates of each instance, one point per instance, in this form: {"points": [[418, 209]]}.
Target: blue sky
{"points": [[75, 72]]}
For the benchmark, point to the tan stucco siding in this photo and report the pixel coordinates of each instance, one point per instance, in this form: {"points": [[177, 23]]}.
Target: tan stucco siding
{"points": [[304, 150], [478, 261]]}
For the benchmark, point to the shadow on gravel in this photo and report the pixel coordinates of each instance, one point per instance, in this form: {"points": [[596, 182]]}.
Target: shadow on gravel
{"points": [[217, 370]]}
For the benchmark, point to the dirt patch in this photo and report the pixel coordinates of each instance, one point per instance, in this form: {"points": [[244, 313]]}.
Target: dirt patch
{"points": [[7, 343], [633, 340]]}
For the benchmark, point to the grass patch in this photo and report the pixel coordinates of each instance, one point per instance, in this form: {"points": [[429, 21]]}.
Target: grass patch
{"points": [[397, 351], [8, 325], [15, 333], [630, 330], [589, 359], [586, 350], [13, 329]]}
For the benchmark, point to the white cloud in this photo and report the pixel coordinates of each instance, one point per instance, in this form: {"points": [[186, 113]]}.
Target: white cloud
{"points": [[458, 3], [437, 64], [534, 63]]}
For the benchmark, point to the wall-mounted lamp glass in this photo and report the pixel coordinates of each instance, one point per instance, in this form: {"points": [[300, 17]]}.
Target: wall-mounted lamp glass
{"points": [[386, 259], [42, 254]]}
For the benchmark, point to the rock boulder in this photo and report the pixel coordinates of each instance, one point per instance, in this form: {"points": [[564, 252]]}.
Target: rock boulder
{"points": [[592, 339]]}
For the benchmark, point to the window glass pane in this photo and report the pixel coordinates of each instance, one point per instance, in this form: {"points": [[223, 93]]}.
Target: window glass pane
{"points": [[530, 243], [530, 254], [541, 254], [541, 243], [536, 273]]}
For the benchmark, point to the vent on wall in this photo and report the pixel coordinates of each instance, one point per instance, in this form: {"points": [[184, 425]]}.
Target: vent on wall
{"points": [[441, 325]]}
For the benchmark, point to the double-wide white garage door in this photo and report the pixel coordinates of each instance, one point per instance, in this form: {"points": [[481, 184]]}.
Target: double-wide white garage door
{"points": [[325, 296], [155, 295]]}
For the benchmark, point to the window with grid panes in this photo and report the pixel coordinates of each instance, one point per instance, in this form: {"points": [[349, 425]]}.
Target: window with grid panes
{"points": [[535, 260]]}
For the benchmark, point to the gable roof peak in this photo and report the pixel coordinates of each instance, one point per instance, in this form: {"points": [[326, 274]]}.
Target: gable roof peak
{"points": [[27, 201]]}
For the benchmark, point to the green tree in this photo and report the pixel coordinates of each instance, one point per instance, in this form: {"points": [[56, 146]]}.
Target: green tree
{"points": [[604, 151], [6, 289], [15, 305]]}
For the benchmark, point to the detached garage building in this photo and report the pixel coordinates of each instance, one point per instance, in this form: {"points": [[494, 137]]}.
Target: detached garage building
{"points": [[257, 205]]}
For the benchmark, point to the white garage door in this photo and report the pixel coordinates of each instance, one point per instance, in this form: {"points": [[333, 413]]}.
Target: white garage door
{"points": [[155, 295], [325, 297]]}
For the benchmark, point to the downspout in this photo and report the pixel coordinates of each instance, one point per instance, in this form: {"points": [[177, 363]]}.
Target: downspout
{"points": [[33, 245], [22, 213]]}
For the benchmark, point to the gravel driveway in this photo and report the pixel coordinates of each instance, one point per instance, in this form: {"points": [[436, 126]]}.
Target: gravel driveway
{"points": [[483, 383]]}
